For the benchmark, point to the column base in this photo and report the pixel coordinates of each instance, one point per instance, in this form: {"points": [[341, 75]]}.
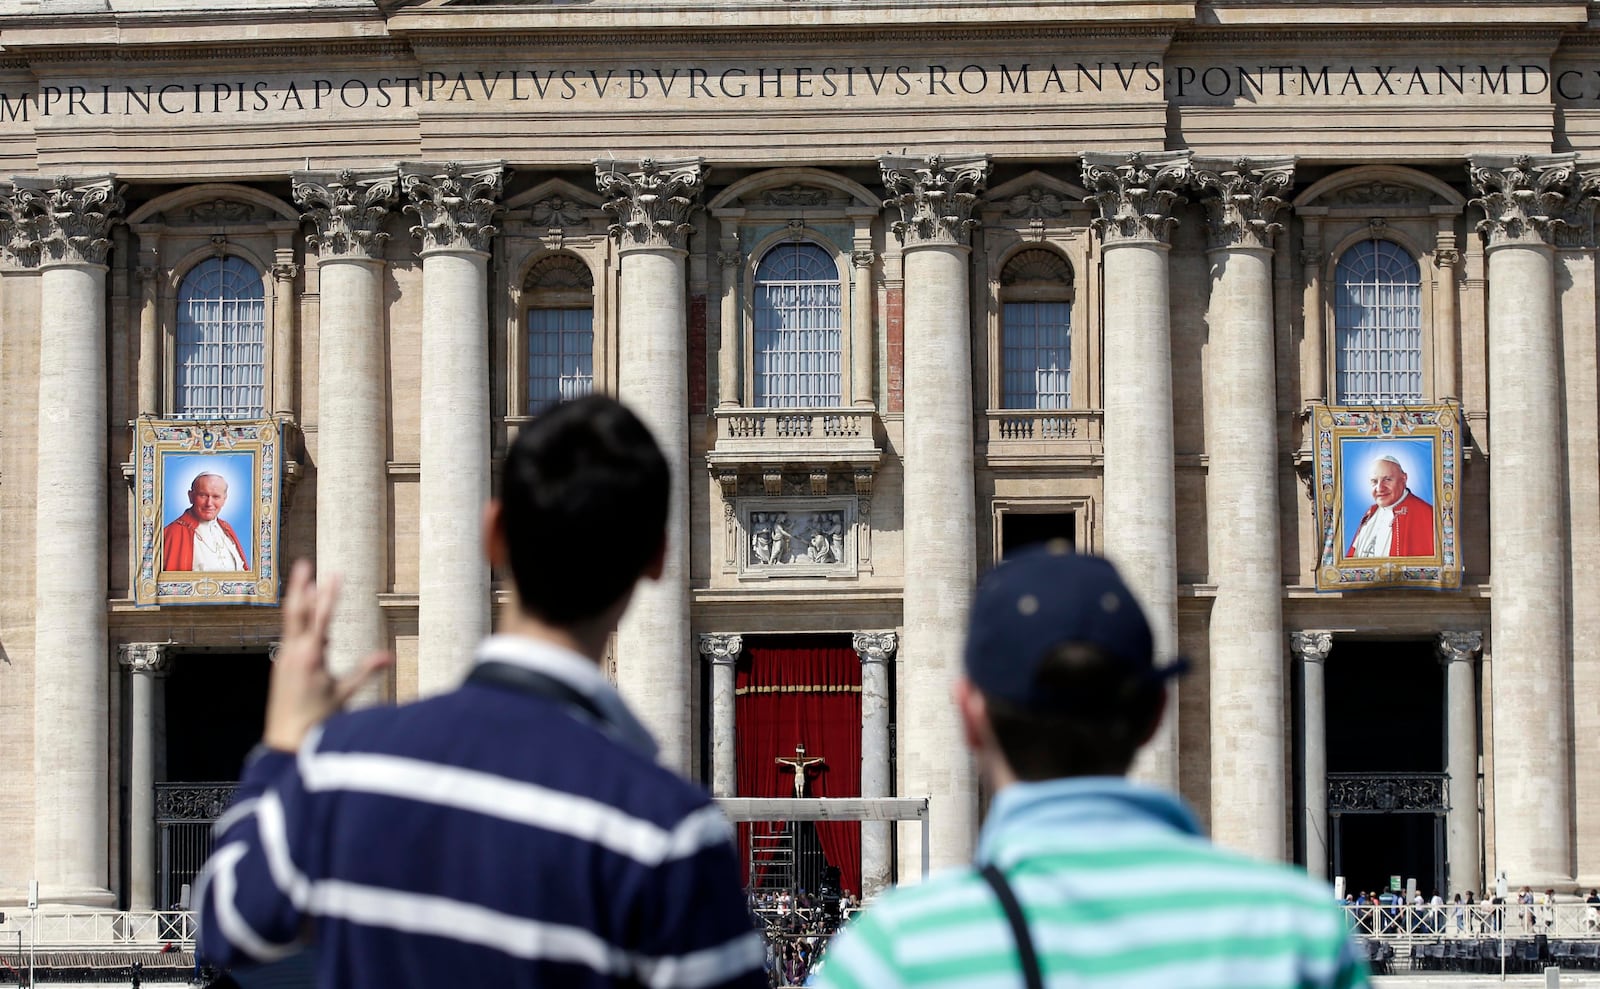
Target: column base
{"points": [[67, 899]]}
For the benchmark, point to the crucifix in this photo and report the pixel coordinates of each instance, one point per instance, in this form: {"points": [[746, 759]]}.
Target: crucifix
{"points": [[799, 762]]}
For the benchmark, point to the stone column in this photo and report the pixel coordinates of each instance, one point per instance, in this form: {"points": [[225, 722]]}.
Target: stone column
{"points": [[730, 329], [1134, 195], [654, 201], [145, 663], [71, 219], [1312, 650], [348, 211], [1459, 653], [150, 349], [1445, 337], [455, 206], [1314, 348], [721, 653], [935, 198], [1523, 200], [1248, 790], [284, 310], [876, 650], [862, 306]]}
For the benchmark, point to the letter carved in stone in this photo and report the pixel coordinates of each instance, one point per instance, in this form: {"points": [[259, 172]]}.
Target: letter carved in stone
{"points": [[653, 200], [1526, 199], [70, 218], [1135, 194], [348, 211], [936, 196], [455, 205], [1244, 199]]}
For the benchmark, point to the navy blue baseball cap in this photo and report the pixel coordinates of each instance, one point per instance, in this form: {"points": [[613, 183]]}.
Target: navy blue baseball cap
{"points": [[1044, 597]]}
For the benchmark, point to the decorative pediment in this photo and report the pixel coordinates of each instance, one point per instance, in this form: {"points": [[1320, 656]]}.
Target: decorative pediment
{"points": [[1034, 193], [214, 204], [793, 188], [1384, 186]]}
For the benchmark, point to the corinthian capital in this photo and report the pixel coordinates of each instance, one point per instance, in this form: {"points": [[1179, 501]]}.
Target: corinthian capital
{"points": [[936, 196], [1243, 204], [454, 204], [1135, 194], [1459, 647], [69, 218], [1529, 199], [144, 657], [19, 229], [653, 200], [1311, 647], [721, 649], [874, 647], [348, 210]]}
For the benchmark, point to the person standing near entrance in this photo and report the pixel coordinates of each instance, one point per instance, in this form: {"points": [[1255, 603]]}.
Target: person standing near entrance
{"points": [[518, 830], [1083, 877]]}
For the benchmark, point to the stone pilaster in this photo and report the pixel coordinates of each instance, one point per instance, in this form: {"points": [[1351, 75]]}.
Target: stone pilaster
{"points": [[454, 205], [1248, 791], [70, 219], [1458, 651], [876, 650], [862, 352], [1526, 202], [348, 212], [721, 652], [145, 663], [654, 202], [730, 332], [285, 310], [1134, 196], [935, 198], [150, 350], [1311, 649]]}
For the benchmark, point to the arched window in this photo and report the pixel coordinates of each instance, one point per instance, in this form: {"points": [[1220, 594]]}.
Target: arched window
{"points": [[1378, 325], [221, 341], [560, 296], [1036, 331], [797, 328]]}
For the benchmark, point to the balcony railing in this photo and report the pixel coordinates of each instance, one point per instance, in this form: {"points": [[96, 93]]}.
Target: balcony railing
{"points": [[1384, 793], [1023, 435], [781, 439]]}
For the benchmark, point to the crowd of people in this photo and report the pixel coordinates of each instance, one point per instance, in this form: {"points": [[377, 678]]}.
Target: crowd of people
{"points": [[1466, 913], [797, 927]]}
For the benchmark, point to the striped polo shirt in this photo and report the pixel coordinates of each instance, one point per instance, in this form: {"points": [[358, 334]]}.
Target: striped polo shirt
{"points": [[1119, 889], [488, 836]]}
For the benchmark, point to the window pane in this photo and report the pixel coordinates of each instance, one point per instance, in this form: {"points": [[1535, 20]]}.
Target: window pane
{"points": [[1377, 311], [221, 341], [1036, 355], [797, 335], [560, 356]]}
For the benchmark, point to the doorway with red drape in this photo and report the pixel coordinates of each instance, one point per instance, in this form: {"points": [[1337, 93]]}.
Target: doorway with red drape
{"points": [[801, 690]]}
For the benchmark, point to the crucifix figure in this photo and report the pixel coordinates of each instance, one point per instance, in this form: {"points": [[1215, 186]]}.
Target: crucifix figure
{"points": [[799, 762]]}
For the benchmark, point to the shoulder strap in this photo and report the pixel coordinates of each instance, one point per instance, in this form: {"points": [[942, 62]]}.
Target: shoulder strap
{"points": [[519, 678], [1019, 925]]}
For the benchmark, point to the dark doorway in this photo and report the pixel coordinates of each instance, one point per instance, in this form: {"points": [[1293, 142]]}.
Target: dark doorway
{"points": [[1385, 731], [215, 704], [1019, 529]]}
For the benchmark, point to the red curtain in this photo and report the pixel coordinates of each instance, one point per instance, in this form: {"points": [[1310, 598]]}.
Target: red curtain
{"points": [[802, 695]]}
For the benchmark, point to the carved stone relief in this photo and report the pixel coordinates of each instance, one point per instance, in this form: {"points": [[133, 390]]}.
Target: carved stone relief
{"points": [[799, 537]]}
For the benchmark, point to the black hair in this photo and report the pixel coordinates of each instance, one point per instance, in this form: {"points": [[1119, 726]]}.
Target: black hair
{"points": [[583, 498], [1097, 736]]}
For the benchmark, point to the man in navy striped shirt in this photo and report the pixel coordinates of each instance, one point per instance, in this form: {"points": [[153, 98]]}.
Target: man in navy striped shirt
{"points": [[518, 830]]}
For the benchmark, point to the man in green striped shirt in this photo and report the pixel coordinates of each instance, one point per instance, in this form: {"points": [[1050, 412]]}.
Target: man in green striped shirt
{"points": [[1113, 883]]}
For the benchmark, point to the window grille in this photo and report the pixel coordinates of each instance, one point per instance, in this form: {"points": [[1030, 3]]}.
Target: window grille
{"points": [[560, 356], [1038, 355], [221, 355], [797, 329], [1378, 325]]}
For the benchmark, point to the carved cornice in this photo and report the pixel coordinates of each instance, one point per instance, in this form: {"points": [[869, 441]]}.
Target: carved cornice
{"points": [[1528, 199], [1135, 194], [721, 649], [1459, 647], [936, 196], [455, 205], [66, 220], [144, 657], [653, 200], [348, 210], [1311, 647], [1244, 200], [875, 647]]}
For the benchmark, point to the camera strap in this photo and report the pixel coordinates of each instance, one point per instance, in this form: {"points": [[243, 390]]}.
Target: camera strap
{"points": [[1031, 975]]}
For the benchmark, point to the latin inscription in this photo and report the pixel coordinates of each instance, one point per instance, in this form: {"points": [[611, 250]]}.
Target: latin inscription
{"points": [[1034, 80]]}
